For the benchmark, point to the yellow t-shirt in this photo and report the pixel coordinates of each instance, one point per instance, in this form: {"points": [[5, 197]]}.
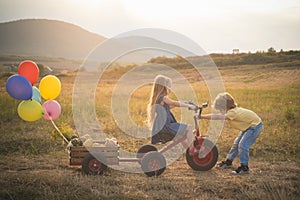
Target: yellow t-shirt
{"points": [[242, 119]]}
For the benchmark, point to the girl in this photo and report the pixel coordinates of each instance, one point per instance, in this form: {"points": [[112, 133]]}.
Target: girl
{"points": [[246, 121], [163, 123]]}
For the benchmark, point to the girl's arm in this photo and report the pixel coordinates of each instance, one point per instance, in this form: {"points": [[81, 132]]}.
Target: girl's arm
{"points": [[214, 117], [173, 103]]}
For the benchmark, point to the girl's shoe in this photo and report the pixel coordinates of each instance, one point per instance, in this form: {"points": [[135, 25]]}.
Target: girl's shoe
{"points": [[225, 164], [243, 169]]}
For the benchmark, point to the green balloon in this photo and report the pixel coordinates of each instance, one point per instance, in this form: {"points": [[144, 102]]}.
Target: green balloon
{"points": [[30, 110]]}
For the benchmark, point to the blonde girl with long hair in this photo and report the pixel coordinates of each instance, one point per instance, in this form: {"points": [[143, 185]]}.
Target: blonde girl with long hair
{"points": [[160, 119]]}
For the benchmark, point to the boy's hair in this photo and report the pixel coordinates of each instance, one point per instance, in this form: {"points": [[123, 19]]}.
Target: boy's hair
{"points": [[224, 101], [160, 86]]}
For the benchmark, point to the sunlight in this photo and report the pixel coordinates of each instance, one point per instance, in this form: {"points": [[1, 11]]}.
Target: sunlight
{"points": [[91, 4], [157, 9]]}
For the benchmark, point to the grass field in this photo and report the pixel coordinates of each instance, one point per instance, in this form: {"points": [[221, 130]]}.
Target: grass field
{"points": [[35, 166]]}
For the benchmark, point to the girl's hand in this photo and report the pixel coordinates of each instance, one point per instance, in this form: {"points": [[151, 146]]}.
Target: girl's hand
{"points": [[192, 107], [173, 103]]}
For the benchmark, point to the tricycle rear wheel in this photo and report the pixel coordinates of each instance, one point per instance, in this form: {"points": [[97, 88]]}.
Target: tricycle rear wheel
{"points": [[145, 149], [153, 163]]}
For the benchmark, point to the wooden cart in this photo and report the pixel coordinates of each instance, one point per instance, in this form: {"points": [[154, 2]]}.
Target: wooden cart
{"points": [[94, 160]]}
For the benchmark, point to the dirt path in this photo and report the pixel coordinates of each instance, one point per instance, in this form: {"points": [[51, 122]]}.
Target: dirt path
{"points": [[50, 177]]}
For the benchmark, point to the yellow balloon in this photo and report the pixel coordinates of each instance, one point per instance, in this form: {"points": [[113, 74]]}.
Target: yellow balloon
{"points": [[50, 87], [30, 110]]}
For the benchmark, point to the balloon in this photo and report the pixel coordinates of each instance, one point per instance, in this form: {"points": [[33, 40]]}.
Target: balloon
{"points": [[29, 70], [36, 94], [30, 110], [19, 87], [50, 87], [52, 109]]}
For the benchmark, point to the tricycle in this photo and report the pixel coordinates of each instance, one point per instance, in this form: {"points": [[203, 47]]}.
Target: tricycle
{"points": [[201, 155]]}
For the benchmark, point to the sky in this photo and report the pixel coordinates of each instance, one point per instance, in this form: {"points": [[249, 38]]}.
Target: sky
{"points": [[218, 26]]}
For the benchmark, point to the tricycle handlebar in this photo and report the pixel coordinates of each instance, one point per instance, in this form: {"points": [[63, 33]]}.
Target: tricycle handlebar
{"points": [[204, 105], [198, 110]]}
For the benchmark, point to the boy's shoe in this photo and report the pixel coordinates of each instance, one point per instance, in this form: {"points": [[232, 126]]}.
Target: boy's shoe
{"points": [[243, 169], [225, 164]]}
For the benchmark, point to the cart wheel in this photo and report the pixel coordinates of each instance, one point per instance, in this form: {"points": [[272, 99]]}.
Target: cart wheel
{"points": [[198, 163], [145, 149], [93, 164], [153, 164]]}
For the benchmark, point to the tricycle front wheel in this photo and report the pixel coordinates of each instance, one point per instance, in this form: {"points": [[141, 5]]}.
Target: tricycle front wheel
{"points": [[145, 149], [204, 157]]}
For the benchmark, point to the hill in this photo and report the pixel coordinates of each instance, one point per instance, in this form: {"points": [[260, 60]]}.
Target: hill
{"points": [[51, 38], [42, 37], [136, 48], [282, 59]]}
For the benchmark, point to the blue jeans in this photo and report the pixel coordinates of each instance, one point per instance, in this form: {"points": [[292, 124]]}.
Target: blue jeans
{"points": [[243, 142]]}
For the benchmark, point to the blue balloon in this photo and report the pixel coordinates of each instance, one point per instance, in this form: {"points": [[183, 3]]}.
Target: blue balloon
{"points": [[19, 87], [36, 95]]}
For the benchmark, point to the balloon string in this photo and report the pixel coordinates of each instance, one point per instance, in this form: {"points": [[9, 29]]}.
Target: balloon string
{"points": [[65, 139], [62, 135]]}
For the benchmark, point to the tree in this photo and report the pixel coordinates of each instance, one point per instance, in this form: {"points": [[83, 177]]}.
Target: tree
{"points": [[271, 50]]}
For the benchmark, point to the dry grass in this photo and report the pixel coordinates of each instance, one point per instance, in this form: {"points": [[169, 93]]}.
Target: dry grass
{"points": [[49, 177], [34, 166]]}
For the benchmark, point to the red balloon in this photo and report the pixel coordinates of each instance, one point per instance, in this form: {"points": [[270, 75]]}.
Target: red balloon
{"points": [[30, 70]]}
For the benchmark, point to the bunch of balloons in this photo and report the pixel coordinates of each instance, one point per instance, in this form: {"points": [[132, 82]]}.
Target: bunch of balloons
{"points": [[21, 86]]}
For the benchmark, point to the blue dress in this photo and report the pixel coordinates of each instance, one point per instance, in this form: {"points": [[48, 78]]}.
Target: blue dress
{"points": [[165, 126]]}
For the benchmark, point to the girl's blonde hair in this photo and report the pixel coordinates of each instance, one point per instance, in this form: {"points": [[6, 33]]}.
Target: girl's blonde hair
{"points": [[161, 85], [224, 101]]}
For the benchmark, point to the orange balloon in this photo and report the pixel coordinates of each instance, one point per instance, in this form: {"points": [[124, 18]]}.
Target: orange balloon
{"points": [[29, 70]]}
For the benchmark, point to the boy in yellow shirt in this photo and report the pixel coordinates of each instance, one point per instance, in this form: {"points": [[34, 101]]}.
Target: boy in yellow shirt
{"points": [[249, 124]]}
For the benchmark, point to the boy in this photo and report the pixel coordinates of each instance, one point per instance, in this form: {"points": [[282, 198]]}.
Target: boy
{"points": [[249, 124]]}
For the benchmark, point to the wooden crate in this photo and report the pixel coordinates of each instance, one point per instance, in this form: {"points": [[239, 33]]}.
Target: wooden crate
{"points": [[78, 153]]}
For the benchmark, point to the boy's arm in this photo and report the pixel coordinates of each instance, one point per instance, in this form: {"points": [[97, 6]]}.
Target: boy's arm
{"points": [[214, 117]]}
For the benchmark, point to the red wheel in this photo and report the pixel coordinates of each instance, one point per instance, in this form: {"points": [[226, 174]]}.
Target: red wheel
{"points": [[153, 164], [93, 164], [204, 157]]}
